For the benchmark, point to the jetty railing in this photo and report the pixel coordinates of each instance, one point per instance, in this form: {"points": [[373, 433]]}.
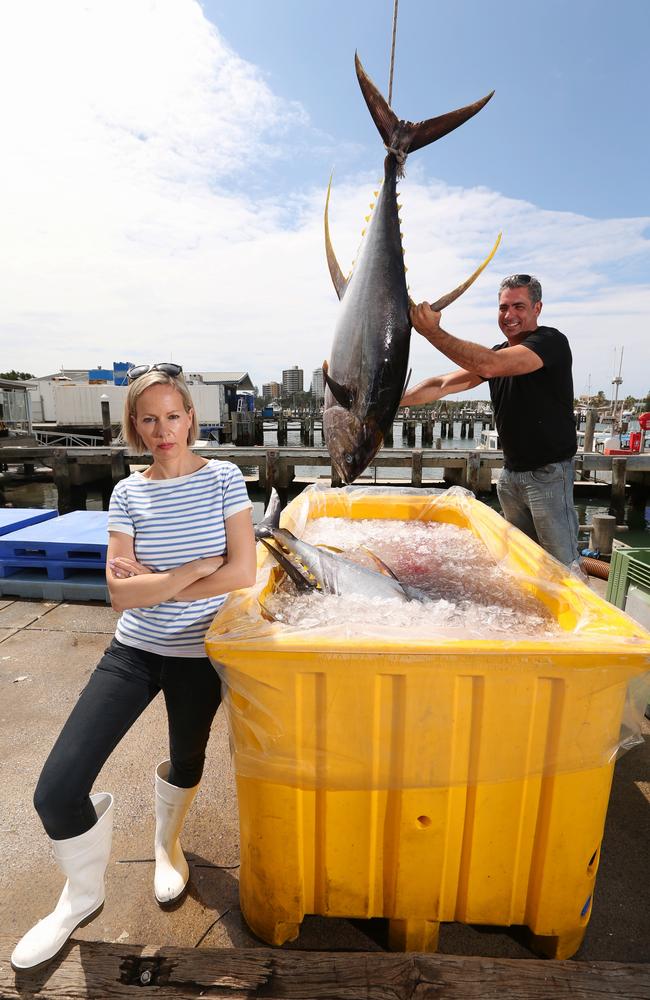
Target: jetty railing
{"points": [[74, 469]]}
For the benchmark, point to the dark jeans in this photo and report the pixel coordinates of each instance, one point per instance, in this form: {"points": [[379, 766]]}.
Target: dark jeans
{"points": [[124, 682]]}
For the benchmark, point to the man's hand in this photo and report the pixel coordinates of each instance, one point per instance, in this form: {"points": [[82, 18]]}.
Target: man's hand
{"points": [[426, 321]]}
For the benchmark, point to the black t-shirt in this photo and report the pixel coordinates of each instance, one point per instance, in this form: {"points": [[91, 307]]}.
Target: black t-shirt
{"points": [[534, 412]]}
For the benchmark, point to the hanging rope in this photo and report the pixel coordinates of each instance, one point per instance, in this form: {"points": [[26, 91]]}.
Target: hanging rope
{"points": [[392, 55]]}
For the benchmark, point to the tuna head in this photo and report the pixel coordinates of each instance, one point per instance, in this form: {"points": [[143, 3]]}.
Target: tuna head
{"points": [[351, 441]]}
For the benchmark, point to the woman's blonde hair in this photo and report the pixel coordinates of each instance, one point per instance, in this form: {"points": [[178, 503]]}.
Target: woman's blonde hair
{"points": [[129, 434]]}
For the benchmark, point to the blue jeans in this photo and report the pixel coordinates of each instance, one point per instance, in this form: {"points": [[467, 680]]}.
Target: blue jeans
{"points": [[540, 503]]}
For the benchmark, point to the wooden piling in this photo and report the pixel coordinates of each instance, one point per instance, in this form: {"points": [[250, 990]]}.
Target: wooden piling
{"points": [[617, 502], [416, 467], [270, 472], [107, 430], [474, 472], [590, 426], [259, 429], [62, 481], [118, 467]]}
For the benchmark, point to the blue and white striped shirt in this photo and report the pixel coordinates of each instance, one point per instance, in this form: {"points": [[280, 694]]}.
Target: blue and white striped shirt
{"points": [[173, 521]]}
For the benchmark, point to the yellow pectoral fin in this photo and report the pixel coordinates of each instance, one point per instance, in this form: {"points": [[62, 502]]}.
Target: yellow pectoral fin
{"points": [[450, 297]]}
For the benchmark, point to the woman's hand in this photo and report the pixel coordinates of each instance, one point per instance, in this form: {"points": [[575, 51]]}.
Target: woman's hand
{"points": [[123, 567]]}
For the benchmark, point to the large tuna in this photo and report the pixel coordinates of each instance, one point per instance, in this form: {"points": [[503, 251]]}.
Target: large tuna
{"points": [[316, 567], [366, 373]]}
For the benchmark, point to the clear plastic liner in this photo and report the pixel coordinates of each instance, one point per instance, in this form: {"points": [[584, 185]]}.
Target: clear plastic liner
{"points": [[398, 696]]}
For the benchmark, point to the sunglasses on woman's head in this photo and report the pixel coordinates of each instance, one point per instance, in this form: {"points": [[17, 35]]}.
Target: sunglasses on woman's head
{"points": [[164, 366]]}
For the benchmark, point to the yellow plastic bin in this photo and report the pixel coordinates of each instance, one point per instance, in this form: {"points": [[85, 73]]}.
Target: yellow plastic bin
{"points": [[426, 780]]}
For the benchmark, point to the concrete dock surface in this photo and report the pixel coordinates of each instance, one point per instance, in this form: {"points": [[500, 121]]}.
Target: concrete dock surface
{"points": [[47, 652]]}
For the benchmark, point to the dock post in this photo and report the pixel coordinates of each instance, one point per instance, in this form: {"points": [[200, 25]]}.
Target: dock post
{"points": [[427, 433], [470, 430], [443, 428], [474, 472], [409, 428], [601, 536], [61, 470], [388, 437], [450, 429], [617, 504], [107, 430], [416, 467], [118, 466], [282, 430], [270, 473], [590, 426], [463, 429], [259, 429]]}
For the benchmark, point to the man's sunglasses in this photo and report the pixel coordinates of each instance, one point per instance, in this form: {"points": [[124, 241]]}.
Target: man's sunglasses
{"points": [[164, 366], [524, 279]]}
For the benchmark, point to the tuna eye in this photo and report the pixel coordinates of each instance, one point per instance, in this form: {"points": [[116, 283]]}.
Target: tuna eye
{"points": [[348, 459]]}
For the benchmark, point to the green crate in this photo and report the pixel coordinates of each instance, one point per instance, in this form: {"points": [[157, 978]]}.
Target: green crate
{"points": [[629, 567]]}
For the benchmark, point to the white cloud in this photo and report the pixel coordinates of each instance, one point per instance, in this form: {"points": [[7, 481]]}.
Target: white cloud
{"points": [[129, 231]]}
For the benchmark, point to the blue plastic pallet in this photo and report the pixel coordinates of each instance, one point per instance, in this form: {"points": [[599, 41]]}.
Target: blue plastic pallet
{"points": [[13, 518], [85, 586], [52, 568], [81, 535]]}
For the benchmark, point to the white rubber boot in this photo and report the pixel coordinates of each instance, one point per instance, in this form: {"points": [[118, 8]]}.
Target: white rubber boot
{"points": [[83, 860], [172, 804]]}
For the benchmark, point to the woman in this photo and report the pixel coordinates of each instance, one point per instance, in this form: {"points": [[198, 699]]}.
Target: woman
{"points": [[180, 538]]}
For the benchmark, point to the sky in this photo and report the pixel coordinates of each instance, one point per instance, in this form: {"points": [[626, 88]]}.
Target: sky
{"points": [[165, 164]]}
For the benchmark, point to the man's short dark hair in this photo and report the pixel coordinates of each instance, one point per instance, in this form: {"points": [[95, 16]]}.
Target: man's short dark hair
{"points": [[528, 281]]}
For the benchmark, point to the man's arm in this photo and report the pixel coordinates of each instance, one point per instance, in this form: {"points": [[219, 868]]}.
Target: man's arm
{"points": [[518, 360], [440, 385]]}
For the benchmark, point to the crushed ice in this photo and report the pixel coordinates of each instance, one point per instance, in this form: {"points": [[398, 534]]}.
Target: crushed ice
{"points": [[471, 596]]}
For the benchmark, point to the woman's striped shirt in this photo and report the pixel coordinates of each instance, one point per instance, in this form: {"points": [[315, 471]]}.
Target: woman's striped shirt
{"points": [[173, 521]]}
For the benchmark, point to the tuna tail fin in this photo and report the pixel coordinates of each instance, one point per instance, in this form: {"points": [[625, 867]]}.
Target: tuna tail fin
{"points": [[381, 112], [403, 137], [336, 274]]}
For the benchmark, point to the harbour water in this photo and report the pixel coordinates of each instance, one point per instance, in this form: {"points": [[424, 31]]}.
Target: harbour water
{"points": [[44, 494]]}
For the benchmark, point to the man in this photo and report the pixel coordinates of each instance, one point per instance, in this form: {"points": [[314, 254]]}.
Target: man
{"points": [[531, 388]]}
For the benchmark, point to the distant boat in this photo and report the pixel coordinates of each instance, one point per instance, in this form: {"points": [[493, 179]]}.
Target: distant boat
{"points": [[489, 441]]}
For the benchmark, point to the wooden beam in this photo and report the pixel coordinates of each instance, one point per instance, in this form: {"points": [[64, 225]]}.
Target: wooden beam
{"points": [[119, 972]]}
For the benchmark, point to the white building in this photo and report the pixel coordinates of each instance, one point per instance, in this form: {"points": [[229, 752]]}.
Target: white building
{"points": [[292, 380], [317, 385]]}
